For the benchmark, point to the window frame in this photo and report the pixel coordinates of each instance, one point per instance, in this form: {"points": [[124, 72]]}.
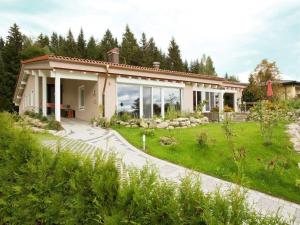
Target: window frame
{"points": [[81, 107]]}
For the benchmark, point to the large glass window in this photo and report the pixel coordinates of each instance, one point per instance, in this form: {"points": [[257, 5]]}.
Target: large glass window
{"points": [[156, 101], [128, 99], [172, 98], [147, 102], [207, 105], [197, 99]]}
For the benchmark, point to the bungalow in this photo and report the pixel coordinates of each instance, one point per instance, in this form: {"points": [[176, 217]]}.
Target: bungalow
{"points": [[289, 89], [73, 87]]}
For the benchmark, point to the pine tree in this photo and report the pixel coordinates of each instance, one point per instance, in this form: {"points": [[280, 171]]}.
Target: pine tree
{"points": [[11, 60], [61, 46], [70, 48], [42, 41], [81, 45], [195, 66], [54, 45], [174, 57], [186, 66], [129, 53], [92, 51], [107, 43], [209, 67], [148, 51], [226, 76], [2, 43], [202, 65]]}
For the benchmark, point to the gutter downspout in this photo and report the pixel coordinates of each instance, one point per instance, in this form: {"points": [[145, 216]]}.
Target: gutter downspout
{"points": [[104, 88]]}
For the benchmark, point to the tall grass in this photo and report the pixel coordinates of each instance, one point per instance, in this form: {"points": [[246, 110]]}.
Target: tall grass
{"points": [[39, 186]]}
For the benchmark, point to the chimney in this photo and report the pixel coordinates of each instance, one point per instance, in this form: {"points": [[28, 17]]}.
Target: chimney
{"points": [[113, 55], [156, 65]]}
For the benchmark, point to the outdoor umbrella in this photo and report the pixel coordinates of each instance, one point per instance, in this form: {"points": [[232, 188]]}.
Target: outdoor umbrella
{"points": [[269, 88]]}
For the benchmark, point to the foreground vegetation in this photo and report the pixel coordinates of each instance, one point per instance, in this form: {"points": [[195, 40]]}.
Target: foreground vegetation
{"points": [[43, 187], [268, 168]]}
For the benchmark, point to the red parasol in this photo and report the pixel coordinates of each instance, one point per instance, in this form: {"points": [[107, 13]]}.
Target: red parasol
{"points": [[269, 88]]}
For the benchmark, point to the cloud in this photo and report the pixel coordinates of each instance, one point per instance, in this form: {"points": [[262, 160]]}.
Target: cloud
{"points": [[237, 34]]}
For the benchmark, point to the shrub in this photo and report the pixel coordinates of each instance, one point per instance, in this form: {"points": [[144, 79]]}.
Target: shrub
{"points": [[39, 186], [148, 132], [215, 109], [228, 108], [172, 113], [167, 140], [269, 114], [125, 116], [53, 124], [202, 139], [103, 122]]}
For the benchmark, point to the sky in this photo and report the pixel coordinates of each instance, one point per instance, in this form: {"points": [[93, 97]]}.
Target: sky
{"points": [[236, 34]]}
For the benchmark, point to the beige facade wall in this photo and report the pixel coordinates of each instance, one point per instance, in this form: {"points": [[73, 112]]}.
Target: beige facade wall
{"points": [[187, 99], [287, 92], [70, 96], [27, 100]]}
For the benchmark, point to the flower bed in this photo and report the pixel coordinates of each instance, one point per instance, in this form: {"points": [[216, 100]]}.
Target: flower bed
{"points": [[181, 122]]}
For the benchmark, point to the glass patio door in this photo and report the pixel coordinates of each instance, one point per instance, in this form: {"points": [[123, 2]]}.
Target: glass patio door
{"points": [[147, 102]]}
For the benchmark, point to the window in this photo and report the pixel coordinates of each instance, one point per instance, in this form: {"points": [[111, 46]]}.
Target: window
{"points": [[172, 97], [81, 100], [32, 98], [128, 99], [156, 101], [197, 99]]}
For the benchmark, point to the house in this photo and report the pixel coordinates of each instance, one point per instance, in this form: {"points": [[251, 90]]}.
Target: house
{"points": [[289, 89], [83, 88]]}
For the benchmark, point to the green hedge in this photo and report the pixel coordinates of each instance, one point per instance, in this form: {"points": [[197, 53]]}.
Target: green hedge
{"points": [[38, 186]]}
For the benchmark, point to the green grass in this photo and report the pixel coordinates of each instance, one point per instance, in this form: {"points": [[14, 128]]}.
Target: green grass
{"points": [[216, 159]]}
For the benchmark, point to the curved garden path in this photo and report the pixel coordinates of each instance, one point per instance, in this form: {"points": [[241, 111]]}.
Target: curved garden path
{"points": [[80, 136]]}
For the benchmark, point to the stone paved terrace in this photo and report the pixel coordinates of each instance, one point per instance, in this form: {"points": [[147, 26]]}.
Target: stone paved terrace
{"points": [[83, 138]]}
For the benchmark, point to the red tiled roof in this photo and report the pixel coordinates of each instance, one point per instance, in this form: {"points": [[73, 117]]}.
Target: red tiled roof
{"points": [[123, 66]]}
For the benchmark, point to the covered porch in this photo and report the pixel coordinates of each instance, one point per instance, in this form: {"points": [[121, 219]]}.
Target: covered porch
{"points": [[64, 93]]}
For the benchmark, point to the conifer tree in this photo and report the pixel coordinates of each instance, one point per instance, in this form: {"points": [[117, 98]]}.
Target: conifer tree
{"points": [[129, 53], [186, 66], [174, 57], [11, 60], [195, 66], [61, 46], [42, 41], [54, 45], [92, 51], [70, 47], [2, 43], [107, 43], [81, 45], [202, 65], [209, 67]]}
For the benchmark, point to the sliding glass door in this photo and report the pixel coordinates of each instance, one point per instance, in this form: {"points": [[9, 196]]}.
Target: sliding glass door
{"points": [[147, 102]]}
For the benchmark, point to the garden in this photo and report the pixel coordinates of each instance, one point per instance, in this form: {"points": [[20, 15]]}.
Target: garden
{"points": [[256, 154], [40, 186]]}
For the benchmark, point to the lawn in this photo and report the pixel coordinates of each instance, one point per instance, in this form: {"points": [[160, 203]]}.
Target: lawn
{"points": [[271, 169]]}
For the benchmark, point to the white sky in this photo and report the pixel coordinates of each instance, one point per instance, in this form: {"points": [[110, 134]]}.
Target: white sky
{"points": [[236, 34]]}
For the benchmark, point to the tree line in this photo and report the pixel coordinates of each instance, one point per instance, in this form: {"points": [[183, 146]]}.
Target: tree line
{"points": [[17, 46]]}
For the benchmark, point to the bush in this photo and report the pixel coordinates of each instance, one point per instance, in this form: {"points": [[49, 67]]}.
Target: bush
{"points": [[148, 132], [228, 108], [103, 122], [167, 140], [39, 186], [54, 125], [36, 115], [202, 139], [125, 116]]}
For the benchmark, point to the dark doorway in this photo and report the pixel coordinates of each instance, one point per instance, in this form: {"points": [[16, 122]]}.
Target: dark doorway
{"points": [[229, 99], [51, 97]]}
